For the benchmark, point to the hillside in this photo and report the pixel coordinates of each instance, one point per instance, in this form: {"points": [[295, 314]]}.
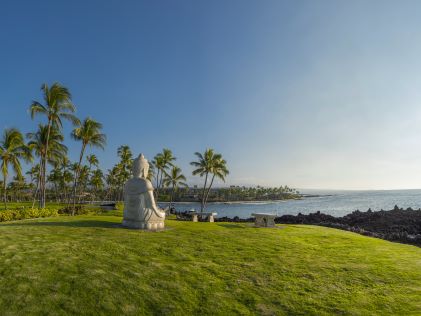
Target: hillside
{"points": [[88, 264]]}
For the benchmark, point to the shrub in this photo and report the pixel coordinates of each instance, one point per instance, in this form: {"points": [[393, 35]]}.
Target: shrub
{"points": [[25, 213], [79, 210]]}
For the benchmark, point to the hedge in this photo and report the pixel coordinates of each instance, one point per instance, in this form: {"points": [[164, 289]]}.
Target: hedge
{"points": [[25, 213]]}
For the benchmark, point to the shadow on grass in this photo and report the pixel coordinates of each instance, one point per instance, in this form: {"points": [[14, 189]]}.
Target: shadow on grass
{"points": [[231, 226], [89, 224]]}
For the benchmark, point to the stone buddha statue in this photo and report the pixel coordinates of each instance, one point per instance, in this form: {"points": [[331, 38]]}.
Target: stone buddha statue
{"points": [[140, 210]]}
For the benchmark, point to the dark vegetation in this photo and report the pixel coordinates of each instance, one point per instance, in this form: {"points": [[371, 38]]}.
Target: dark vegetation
{"points": [[232, 194], [397, 225]]}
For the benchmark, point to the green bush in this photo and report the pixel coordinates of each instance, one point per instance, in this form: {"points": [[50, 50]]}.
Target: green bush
{"points": [[79, 210], [25, 213]]}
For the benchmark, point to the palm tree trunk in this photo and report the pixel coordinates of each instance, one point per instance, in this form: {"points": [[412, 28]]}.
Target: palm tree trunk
{"points": [[157, 185], [42, 185], [41, 163], [43, 198], [172, 196], [65, 192], [207, 193], [75, 180], [4, 192], [36, 192], [202, 206]]}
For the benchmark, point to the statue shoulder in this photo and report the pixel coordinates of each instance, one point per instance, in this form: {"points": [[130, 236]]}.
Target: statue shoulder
{"points": [[138, 185], [148, 185]]}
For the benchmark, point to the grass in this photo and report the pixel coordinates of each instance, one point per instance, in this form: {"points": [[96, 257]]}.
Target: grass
{"points": [[89, 265]]}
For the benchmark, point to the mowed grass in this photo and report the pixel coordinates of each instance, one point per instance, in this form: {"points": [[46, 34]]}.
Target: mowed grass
{"points": [[89, 265]]}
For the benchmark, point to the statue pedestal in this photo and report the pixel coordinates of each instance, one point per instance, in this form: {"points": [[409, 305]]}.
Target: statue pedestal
{"points": [[143, 225]]}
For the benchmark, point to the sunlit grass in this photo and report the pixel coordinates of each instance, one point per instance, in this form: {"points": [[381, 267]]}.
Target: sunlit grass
{"points": [[90, 265]]}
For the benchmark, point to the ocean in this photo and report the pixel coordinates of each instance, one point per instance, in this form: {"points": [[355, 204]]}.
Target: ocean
{"points": [[336, 203]]}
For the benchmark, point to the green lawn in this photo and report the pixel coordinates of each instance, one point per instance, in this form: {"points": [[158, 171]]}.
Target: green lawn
{"points": [[88, 265]]}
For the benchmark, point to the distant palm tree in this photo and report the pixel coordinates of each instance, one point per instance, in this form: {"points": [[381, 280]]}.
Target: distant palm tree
{"points": [[34, 174], [219, 170], [112, 181], [89, 133], [174, 179], [58, 105], [92, 161], [67, 175], [97, 181], [124, 165], [82, 180], [209, 163], [55, 177], [12, 149], [125, 154], [161, 163], [56, 149]]}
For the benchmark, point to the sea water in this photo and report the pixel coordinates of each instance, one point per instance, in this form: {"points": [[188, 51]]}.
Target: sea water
{"points": [[336, 203]]}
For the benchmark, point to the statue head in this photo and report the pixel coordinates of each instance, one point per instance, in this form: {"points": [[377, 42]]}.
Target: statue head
{"points": [[140, 167]]}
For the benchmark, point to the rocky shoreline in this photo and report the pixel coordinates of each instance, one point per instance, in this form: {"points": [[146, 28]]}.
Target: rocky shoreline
{"points": [[398, 225]]}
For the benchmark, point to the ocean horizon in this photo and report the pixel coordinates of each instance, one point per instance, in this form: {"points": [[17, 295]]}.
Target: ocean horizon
{"points": [[332, 202]]}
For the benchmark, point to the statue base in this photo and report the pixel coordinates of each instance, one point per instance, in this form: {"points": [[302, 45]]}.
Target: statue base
{"points": [[143, 225]]}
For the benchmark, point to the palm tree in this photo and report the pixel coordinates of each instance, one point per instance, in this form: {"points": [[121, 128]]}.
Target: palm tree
{"points": [[125, 165], [112, 181], [219, 170], [67, 175], [92, 161], [83, 180], [174, 179], [89, 133], [57, 106], [125, 155], [56, 151], [97, 181], [209, 163], [12, 149], [55, 177], [162, 162], [34, 174]]}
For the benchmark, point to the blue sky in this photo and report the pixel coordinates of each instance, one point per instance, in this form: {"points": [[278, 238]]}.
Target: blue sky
{"points": [[313, 94]]}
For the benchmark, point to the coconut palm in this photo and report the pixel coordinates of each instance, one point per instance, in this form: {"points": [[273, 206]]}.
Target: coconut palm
{"points": [[12, 150], [66, 175], [92, 161], [125, 155], [209, 163], [97, 181], [57, 106], [219, 170], [174, 179], [89, 133], [124, 165], [84, 173], [161, 163], [112, 182], [55, 177], [34, 174], [52, 154]]}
